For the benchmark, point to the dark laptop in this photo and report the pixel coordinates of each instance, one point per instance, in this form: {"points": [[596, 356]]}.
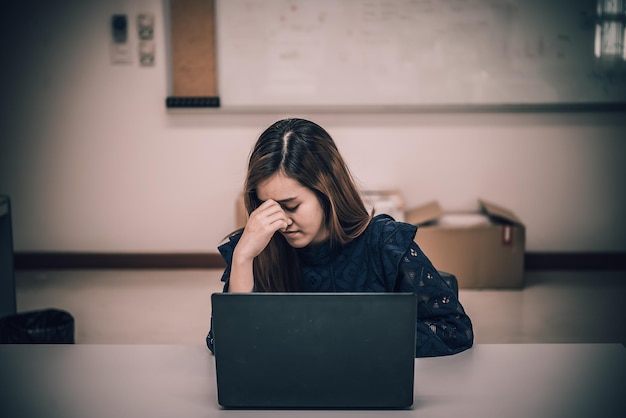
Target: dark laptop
{"points": [[314, 350]]}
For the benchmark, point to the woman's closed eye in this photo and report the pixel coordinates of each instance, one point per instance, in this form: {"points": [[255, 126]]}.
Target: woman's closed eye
{"points": [[292, 208]]}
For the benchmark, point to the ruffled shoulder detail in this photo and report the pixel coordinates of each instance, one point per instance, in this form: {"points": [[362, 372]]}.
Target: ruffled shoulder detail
{"points": [[390, 240], [226, 250]]}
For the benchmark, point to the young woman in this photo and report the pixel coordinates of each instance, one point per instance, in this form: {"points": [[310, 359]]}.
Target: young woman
{"points": [[308, 231]]}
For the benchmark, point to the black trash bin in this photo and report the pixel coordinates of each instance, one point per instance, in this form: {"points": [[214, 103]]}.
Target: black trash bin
{"points": [[46, 326]]}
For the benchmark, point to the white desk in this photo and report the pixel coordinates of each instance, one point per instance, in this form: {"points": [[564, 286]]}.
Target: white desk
{"points": [[91, 381]]}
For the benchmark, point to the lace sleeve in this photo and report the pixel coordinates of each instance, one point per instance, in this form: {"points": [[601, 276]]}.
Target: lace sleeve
{"points": [[443, 327]]}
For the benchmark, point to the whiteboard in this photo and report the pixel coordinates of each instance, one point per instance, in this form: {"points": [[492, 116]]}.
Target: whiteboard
{"points": [[354, 53]]}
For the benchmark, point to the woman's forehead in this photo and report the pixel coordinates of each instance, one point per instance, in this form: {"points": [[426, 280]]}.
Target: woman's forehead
{"points": [[281, 188]]}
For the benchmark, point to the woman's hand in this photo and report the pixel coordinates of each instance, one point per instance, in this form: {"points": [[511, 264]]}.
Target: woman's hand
{"points": [[262, 224]]}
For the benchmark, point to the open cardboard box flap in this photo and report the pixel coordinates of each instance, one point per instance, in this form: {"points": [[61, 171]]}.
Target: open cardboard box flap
{"points": [[431, 212], [498, 212], [424, 214]]}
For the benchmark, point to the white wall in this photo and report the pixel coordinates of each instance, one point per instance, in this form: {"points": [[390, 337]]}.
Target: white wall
{"points": [[93, 161]]}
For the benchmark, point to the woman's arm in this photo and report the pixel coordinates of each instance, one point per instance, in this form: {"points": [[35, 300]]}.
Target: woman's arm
{"points": [[443, 327], [263, 222]]}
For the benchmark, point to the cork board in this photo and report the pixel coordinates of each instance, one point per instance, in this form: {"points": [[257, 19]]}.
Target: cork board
{"points": [[192, 24]]}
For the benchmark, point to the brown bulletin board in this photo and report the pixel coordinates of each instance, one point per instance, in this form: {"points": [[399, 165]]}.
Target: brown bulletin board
{"points": [[193, 61]]}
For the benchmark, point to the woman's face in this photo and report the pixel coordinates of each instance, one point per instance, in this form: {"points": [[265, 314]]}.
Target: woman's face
{"points": [[300, 205]]}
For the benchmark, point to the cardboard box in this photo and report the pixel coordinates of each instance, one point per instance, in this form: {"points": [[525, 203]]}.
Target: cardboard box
{"points": [[483, 250]]}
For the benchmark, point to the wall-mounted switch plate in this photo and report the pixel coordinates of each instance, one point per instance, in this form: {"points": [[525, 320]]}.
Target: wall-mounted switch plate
{"points": [[120, 48], [145, 30], [145, 26], [146, 53]]}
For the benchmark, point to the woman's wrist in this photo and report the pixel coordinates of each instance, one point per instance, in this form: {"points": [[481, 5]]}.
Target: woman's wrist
{"points": [[241, 276]]}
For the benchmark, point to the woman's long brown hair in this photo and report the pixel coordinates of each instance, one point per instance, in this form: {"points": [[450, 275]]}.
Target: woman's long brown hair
{"points": [[305, 152]]}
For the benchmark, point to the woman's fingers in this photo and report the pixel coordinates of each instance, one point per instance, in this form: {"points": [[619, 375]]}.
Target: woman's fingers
{"points": [[261, 226], [271, 216]]}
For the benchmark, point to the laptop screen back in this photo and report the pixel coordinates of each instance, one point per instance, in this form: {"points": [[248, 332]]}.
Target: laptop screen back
{"points": [[314, 350]]}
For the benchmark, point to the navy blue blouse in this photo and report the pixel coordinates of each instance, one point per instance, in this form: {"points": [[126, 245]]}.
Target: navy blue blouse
{"points": [[385, 258]]}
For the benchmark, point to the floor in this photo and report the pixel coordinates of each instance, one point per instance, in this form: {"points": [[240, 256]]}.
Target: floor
{"points": [[173, 306]]}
